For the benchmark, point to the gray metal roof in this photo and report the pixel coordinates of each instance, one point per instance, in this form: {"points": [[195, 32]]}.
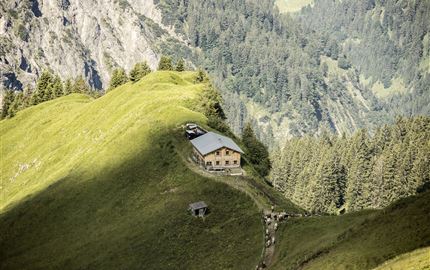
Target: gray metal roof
{"points": [[198, 205], [211, 141]]}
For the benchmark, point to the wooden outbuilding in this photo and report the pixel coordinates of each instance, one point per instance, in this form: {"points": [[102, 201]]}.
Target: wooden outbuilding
{"points": [[198, 209]]}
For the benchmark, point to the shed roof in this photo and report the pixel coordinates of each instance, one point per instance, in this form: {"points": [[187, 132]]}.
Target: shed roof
{"points": [[211, 141], [198, 205]]}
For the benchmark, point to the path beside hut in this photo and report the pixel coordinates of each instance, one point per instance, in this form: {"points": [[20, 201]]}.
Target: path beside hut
{"points": [[262, 202], [262, 195]]}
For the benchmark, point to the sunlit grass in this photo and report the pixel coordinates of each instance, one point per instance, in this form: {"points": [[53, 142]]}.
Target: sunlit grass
{"points": [[361, 240], [98, 184], [418, 260]]}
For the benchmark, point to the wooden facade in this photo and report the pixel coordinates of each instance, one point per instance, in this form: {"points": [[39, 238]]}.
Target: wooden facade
{"points": [[218, 160]]}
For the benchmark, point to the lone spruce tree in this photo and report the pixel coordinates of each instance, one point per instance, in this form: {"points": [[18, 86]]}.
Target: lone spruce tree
{"points": [[165, 63]]}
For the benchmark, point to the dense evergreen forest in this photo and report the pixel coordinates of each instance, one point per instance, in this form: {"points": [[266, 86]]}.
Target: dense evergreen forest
{"points": [[386, 41], [257, 55], [331, 173], [324, 68], [313, 71]]}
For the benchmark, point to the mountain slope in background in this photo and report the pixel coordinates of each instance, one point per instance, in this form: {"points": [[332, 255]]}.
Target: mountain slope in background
{"points": [[75, 38], [388, 42], [324, 68], [291, 79], [99, 184]]}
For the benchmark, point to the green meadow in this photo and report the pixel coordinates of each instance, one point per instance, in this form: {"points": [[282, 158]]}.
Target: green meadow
{"points": [[98, 184], [361, 240], [104, 184], [418, 260]]}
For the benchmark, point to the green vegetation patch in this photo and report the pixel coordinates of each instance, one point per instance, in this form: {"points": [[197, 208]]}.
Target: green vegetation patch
{"points": [[98, 184], [418, 259], [359, 240]]}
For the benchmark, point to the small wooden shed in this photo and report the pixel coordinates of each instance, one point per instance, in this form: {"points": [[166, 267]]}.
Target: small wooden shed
{"points": [[198, 209]]}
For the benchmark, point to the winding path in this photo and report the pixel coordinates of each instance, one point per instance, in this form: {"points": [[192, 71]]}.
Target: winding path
{"points": [[260, 198]]}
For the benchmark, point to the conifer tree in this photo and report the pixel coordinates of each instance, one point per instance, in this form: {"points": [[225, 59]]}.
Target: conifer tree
{"points": [[390, 172], [27, 92], [210, 101], [165, 63], [68, 87], [49, 91], [359, 172], [57, 87], [139, 71], [43, 88], [201, 76], [16, 104], [8, 98], [180, 66], [118, 78], [80, 86], [420, 173], [256, 151]]}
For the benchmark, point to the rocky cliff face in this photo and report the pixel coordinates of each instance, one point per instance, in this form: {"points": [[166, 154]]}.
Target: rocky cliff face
{"points": [[73, 38]]}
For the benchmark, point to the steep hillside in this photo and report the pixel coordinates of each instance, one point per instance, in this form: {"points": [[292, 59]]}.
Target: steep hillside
{"points": [[73, 38], [388, 42], [332, 66], [275, 71], [99, 184], [361, 240]]}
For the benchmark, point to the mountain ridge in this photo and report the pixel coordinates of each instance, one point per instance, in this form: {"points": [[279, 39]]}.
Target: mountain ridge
{"points": [[102, 185], [287, 75]]}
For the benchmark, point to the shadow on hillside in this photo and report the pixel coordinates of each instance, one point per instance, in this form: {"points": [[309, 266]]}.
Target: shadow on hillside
{"points": [[127, 217], [70, 209]]}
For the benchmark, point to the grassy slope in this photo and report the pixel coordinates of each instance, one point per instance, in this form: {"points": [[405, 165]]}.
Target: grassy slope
{"points": [[97, 184], [359, 240], [417, 260], [252, 184]]}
